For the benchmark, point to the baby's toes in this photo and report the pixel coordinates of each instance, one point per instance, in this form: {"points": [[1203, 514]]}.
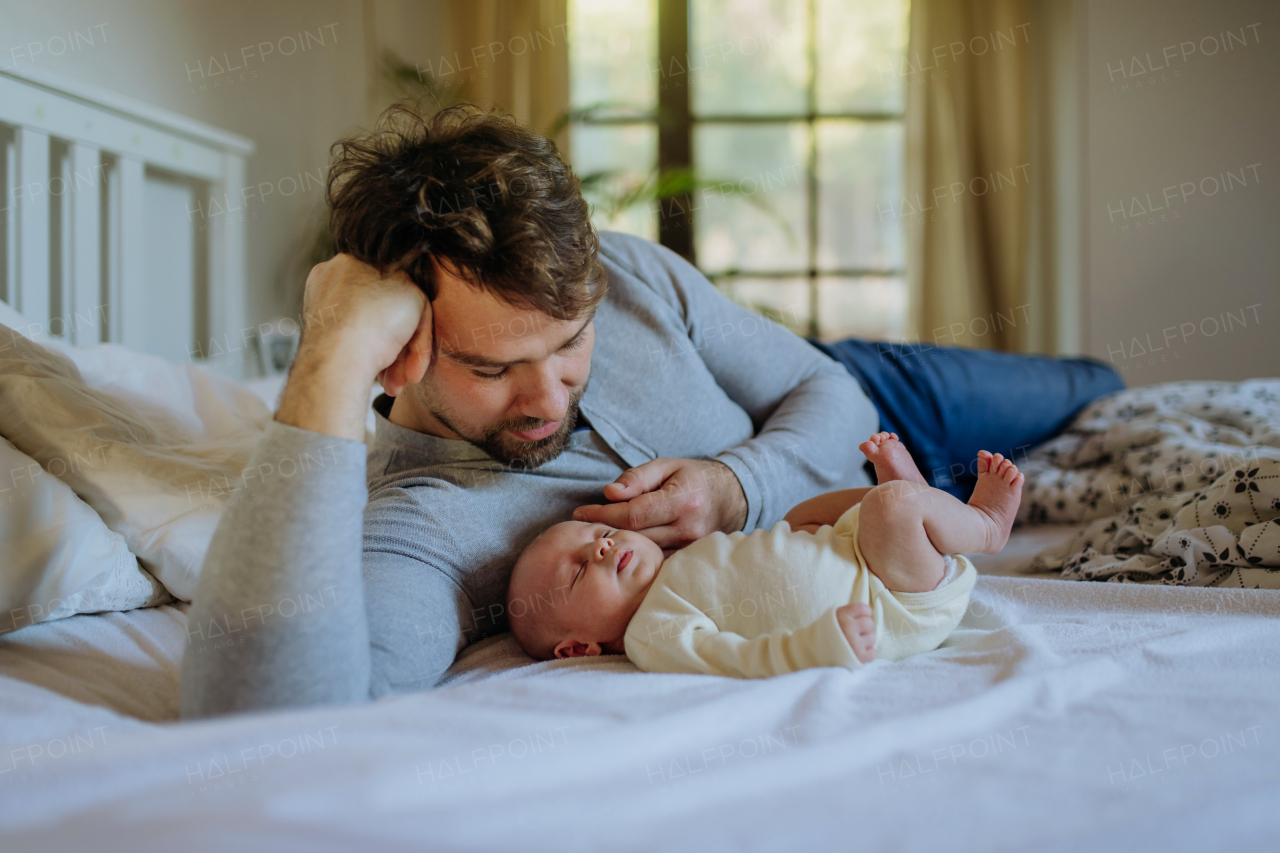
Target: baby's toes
{"points": [[984, 461]]}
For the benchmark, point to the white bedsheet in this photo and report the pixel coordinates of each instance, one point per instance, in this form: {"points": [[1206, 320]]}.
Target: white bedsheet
{"points": [[1022, 546], [1061, 715]]}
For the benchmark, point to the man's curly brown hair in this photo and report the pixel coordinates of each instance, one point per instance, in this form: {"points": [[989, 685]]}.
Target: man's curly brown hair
{"points": [[492, 200]]}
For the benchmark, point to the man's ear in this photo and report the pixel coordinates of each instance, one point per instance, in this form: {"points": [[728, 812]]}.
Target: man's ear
{"points": [[575, 649]]}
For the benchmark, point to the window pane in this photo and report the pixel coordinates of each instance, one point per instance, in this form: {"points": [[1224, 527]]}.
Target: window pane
{"points": [[631, 152], [784, 300], [754, 165], [862, 46], [866, 307], [748, 57], [859, 195], [613, 49]]}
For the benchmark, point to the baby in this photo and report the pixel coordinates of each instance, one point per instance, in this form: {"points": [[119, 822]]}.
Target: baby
{"points": [[842, 577]]}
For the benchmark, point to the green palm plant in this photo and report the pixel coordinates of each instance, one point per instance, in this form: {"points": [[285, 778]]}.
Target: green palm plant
{"points": [[616, 191]]}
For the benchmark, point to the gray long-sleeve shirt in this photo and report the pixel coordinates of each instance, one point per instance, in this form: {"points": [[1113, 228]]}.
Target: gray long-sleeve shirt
{"points": [[322, 586]]}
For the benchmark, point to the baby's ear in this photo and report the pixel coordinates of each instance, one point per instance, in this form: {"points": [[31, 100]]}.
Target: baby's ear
{"points": [[576, 649]]}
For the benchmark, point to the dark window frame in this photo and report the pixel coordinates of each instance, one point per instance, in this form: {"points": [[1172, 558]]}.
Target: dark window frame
{"points": [[676, 122]]}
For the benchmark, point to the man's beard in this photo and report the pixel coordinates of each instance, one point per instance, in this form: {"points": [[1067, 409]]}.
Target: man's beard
{"points": [[497, 441]]}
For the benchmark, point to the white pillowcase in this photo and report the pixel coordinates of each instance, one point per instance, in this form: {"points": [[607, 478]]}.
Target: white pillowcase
{"points": [[57, 558], [203, 406], [154, 447], [16, 322]]}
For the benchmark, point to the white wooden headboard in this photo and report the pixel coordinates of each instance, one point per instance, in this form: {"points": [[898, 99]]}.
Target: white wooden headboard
{"points": [[116, 223]]}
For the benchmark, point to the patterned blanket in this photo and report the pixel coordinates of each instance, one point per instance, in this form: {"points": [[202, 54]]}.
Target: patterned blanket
{"points": [[1181, 484]]}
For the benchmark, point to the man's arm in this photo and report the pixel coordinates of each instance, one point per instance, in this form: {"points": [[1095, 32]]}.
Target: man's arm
{"points": [[279, 614], [809, 414]]}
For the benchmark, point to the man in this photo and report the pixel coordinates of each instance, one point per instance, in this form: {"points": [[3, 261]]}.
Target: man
{"points": [[530, 368]]}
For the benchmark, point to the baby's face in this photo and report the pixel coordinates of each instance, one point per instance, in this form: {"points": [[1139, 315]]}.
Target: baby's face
{"points": [[595, 575]]}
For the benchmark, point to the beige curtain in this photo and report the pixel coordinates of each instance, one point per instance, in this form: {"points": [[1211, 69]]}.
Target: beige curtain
{"points": [[968, 172], [510, 55], [519, 53]]}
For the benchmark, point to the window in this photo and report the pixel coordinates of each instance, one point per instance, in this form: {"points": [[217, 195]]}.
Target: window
{"points": [[778, 126]]}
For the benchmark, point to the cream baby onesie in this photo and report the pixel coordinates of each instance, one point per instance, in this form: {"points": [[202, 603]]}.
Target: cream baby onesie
{"points": [[761, 604]]}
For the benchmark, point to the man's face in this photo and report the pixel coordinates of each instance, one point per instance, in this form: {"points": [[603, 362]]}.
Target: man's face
{"points": [[505, 378]]}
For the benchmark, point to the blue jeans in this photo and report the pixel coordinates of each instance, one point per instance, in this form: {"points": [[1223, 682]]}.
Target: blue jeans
{"points": [[947, 403]]}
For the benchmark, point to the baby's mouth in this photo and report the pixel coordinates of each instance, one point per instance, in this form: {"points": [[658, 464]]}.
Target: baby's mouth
{"points": [[624, 561]]}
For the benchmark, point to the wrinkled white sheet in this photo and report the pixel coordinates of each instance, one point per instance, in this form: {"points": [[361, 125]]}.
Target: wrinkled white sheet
{"points": [[1062, 715]]}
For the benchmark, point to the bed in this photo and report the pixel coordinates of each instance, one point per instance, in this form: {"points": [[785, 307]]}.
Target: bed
{"points": [[1061, 715]]}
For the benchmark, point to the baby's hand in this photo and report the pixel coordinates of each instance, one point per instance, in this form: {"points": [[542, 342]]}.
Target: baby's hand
{"points": [[859, 629]]}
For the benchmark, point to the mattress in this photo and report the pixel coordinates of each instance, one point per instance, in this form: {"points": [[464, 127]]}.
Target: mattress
{"points": [[1060, 715]]}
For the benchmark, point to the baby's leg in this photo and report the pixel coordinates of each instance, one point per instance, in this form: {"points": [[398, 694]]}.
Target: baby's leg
{"points": [[891, 459], [904, 528]]}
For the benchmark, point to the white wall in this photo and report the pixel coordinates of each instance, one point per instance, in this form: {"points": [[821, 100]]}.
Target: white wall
{"points": [[169, 53], [1190, 288]]}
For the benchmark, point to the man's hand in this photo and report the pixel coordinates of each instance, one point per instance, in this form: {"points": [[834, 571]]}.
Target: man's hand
{"points": [[672, 501], [359, 325]]}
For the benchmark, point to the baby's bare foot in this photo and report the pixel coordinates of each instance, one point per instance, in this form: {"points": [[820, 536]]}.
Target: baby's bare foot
{"points": [[891, 459], [859, 629], [997, 495]]}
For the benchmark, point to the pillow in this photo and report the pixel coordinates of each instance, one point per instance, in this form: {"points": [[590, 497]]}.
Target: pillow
{"points": [[204, 406], [15, 321], [156, 449], [57, 558]]}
